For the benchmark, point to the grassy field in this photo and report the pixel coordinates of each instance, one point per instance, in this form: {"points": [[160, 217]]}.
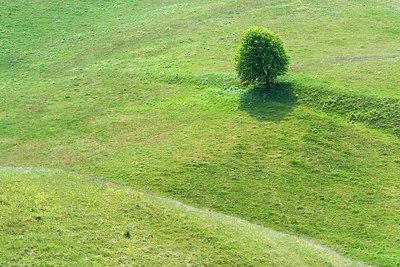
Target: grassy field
{"points": [[145, 94], [105, 225]]}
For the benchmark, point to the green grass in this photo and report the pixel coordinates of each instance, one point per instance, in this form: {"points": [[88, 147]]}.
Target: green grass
{"points": [[349, 44], [50, 218], [144, 93]]}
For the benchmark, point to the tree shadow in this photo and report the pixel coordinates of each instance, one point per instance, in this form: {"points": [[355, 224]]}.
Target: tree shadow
{"points": [[273, 106]]}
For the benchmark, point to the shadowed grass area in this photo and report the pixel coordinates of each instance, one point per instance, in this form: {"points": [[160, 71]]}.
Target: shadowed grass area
{"points": [[379, 113], [273, 106]]}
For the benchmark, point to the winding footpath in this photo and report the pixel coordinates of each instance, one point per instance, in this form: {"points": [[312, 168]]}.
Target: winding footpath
{"points": [[179, 204]]}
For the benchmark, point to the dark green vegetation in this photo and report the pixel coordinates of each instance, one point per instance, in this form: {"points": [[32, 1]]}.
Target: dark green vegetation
{"points": [[59, 225], [261, 57], [145, 94]]}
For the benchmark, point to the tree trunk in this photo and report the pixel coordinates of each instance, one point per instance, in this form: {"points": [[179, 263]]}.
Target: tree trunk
{"points": [[266, 88], [267, 82], [267, 85]]}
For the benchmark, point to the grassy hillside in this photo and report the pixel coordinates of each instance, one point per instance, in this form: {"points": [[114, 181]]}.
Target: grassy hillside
{"points": [[347, 44], [53, 218], [144, 93]]}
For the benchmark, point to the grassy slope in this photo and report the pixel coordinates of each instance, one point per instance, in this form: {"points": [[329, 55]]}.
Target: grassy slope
{"points": [[347, 44], [53, 218], [138, 93]]}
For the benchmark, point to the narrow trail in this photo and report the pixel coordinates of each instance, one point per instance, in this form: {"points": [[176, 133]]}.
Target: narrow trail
{"points": [[364, 58], [179, 204]]}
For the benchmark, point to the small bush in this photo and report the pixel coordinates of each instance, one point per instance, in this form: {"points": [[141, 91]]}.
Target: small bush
{"points": [[261, 57]]}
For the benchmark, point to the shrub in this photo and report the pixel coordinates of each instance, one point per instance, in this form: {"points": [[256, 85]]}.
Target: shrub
{"points": [[261, 57]]}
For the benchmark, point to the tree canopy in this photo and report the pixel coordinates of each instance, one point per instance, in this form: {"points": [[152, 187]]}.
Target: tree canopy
{"points": [[261, 57]]}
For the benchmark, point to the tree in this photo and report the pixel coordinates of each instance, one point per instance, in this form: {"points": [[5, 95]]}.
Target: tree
{"points": [[261, 57]]}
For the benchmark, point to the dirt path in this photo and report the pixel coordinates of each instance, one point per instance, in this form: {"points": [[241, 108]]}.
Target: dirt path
{"points": [[362, 58], [178, 204]]}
